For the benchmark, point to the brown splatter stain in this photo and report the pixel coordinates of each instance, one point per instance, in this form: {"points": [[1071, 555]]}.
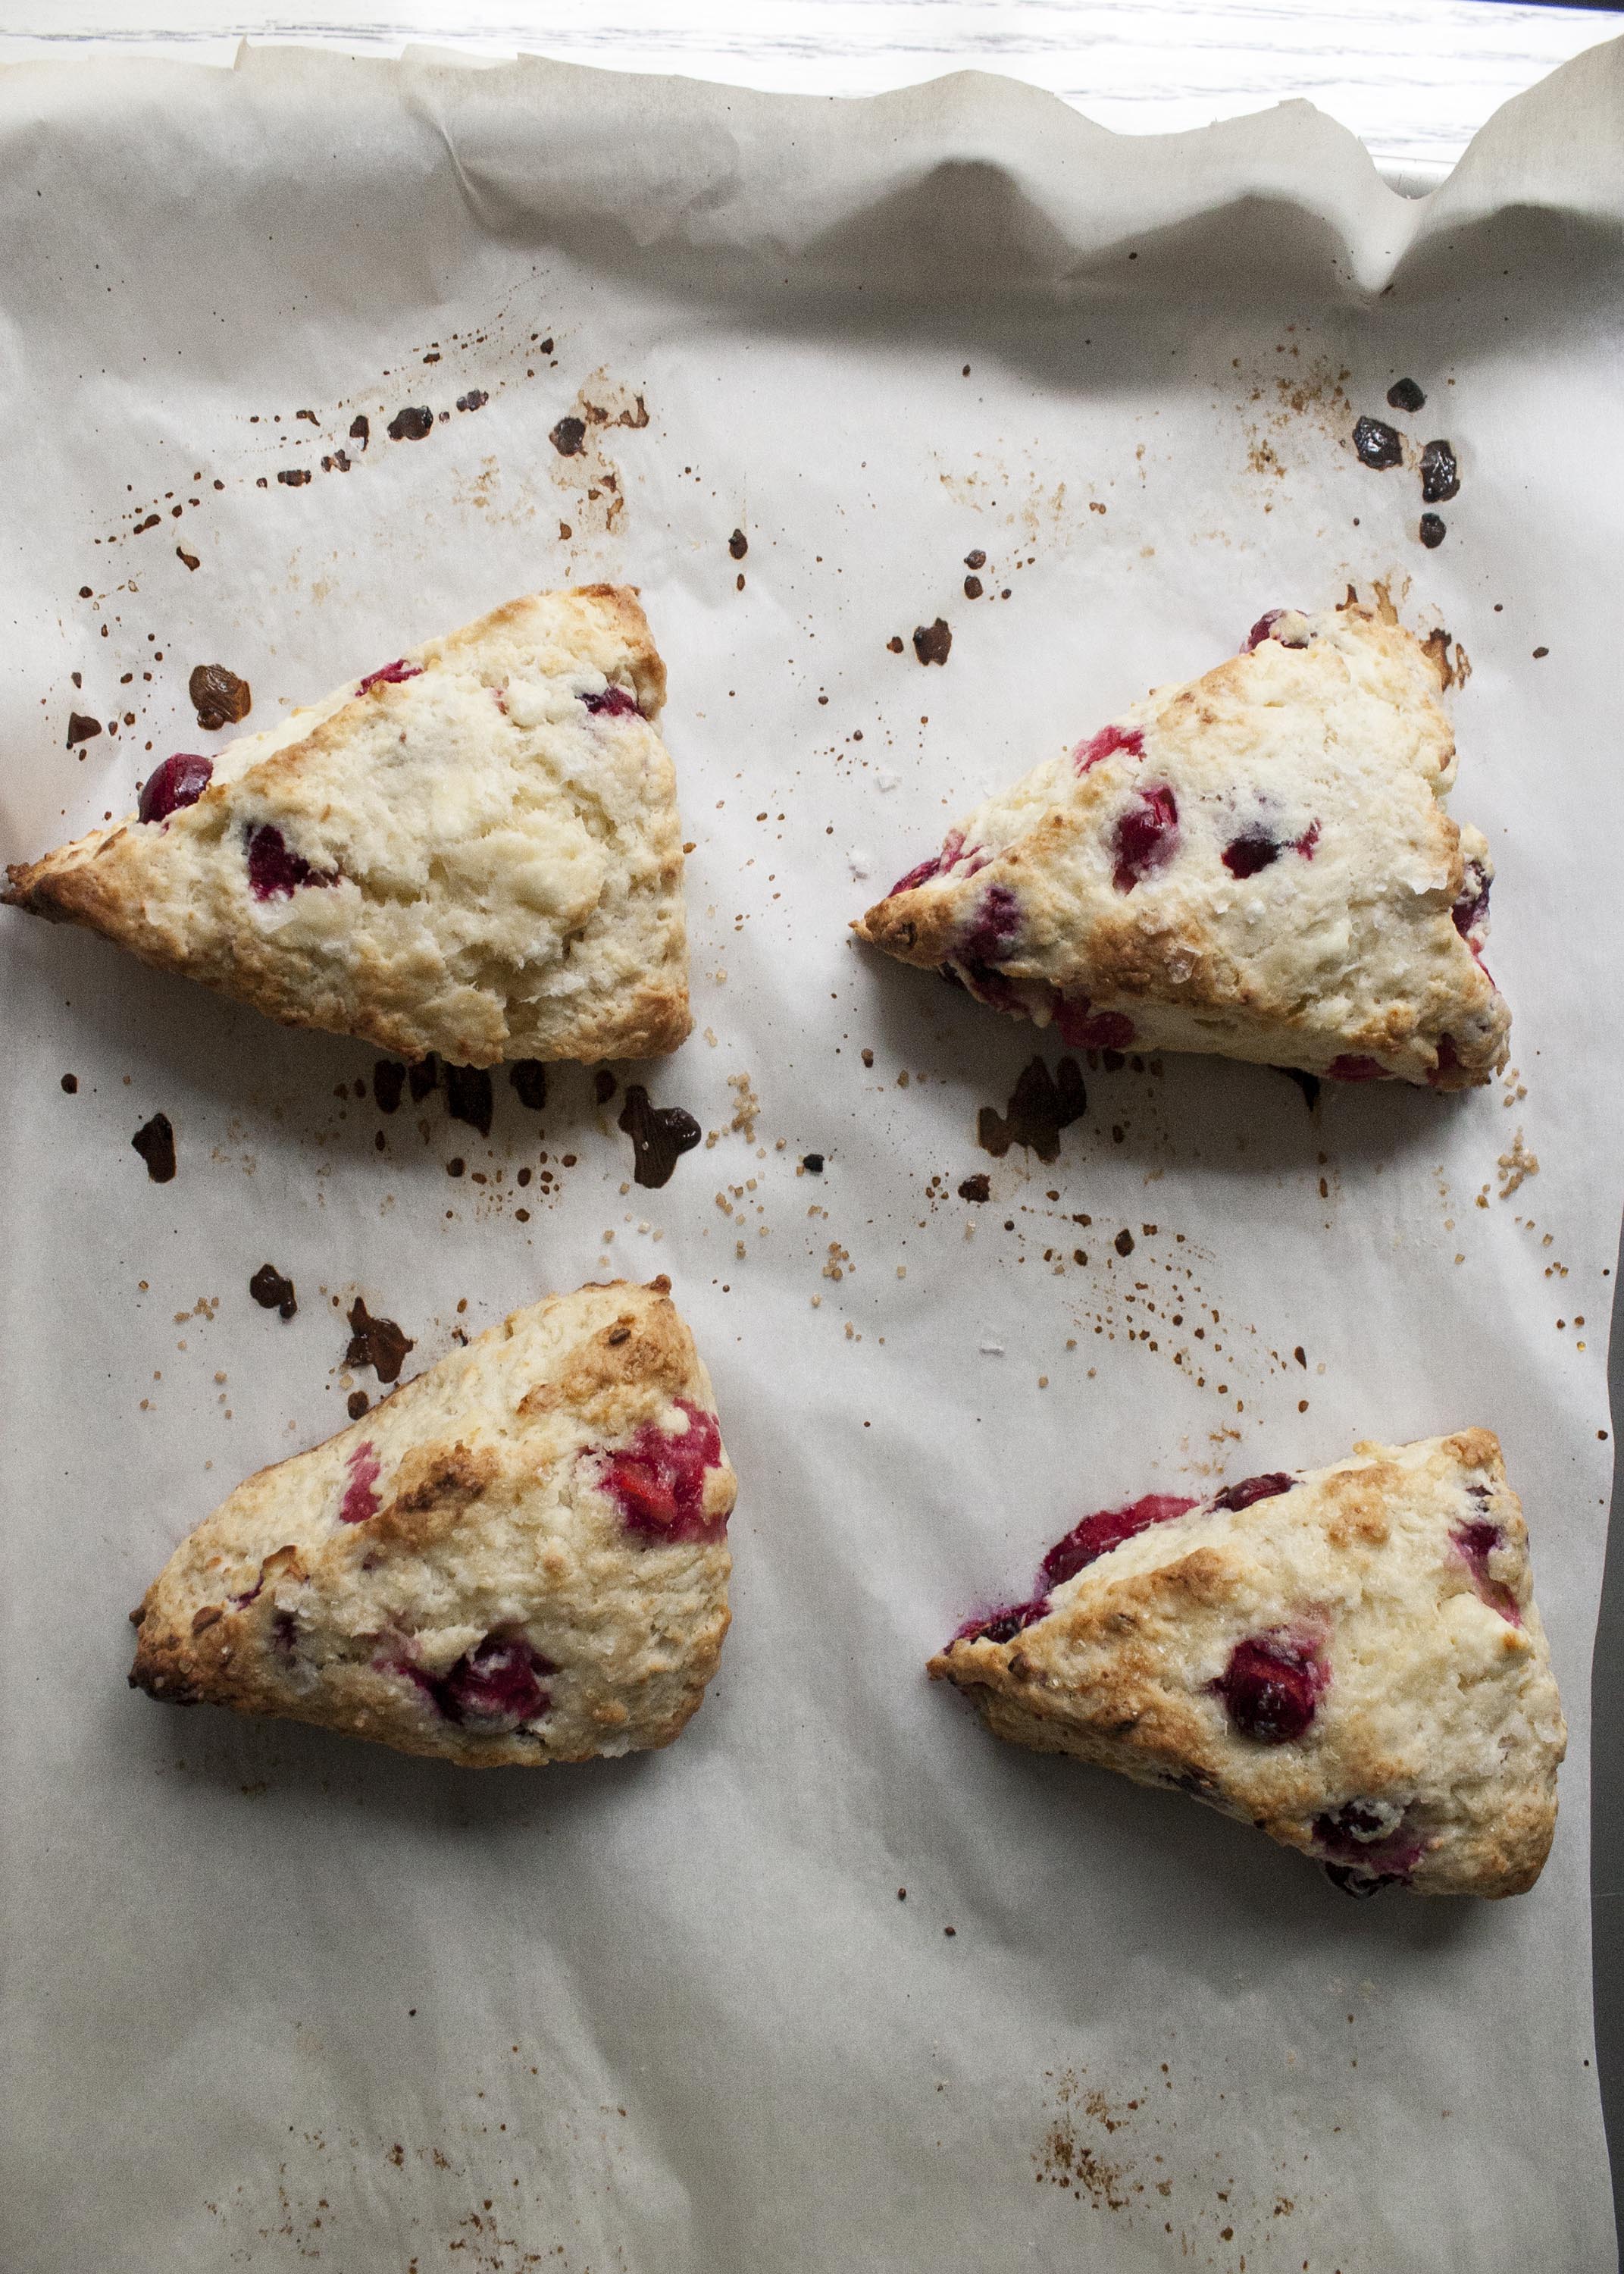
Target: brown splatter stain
{"points": [[219, 696], [376, 1342], [1041, 1105], [932, 643], [187, 560], [738, 545], [360, 429], [82, 729], [294, 477], [272, 1291], [411, 424], [1065, 2159], [155, 1142], [660, 1135], [894, 644]]}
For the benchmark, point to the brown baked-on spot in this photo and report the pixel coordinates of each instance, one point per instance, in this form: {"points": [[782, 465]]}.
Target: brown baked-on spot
{"points": [[932, 643], [155, 1142], [376, 1342], [219, 696], [1359, 1498], [438, 1479]]}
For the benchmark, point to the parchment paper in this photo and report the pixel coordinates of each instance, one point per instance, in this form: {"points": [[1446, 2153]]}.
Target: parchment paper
{"points": [[276, 1998]]}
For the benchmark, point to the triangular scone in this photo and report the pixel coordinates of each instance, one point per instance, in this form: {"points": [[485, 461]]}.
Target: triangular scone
{"points": [[519, 1557], [473, 850], [1258, 863], [1349, 1659]]}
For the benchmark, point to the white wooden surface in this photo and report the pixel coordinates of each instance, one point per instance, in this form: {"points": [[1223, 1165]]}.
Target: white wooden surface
{"points": [[1415, 78]]}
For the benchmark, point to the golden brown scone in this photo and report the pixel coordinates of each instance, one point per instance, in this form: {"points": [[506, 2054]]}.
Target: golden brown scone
{"points": [[1351, 1659], [519, 1557], [474, 850], [1258, 864]]}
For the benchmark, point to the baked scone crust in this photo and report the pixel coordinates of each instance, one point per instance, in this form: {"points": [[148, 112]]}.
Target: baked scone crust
{"points": [[498, 1534], [1258, 863], [493, 870], [1436, 1730]]}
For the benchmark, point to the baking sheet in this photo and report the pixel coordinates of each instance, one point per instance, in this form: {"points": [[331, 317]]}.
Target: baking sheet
{"points": [[275, 1997]]}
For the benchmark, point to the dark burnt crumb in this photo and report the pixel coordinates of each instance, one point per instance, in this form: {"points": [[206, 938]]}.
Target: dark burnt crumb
{"points": [[1377, 444], [411, 424], [973, 588], [738, 545], [950, 1932], [1432, 530], [272, 1291], [894, 645], [360, 430], [1404, 395], [456, 1166], [902, 1895], [932, 643], [376, 1342], [739, 582], [1123, 1242], [219, 696], [1539, 653], [474, 399], [1440, 475], [568, 437], [977, 1188], [294, 476], [69, 1082], [357, 1404], [81, 730], [155, 1142], [813, 1163], [529, 1077], [603, 1085], [660, 1135], [388, 1080], [976, 560]]}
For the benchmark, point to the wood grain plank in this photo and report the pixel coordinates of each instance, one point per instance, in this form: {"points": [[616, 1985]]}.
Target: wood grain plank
{"points": [[1414, 79]]}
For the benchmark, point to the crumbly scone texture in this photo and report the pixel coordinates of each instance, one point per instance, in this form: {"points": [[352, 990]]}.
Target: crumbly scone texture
{"points": [[454, 1575], [1258, 863], [1431, 1755], [493, 869]]}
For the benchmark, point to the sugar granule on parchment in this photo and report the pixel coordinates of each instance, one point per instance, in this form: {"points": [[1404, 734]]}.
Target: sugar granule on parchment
{"points": [[744, 1112], [1516, 1166]]}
